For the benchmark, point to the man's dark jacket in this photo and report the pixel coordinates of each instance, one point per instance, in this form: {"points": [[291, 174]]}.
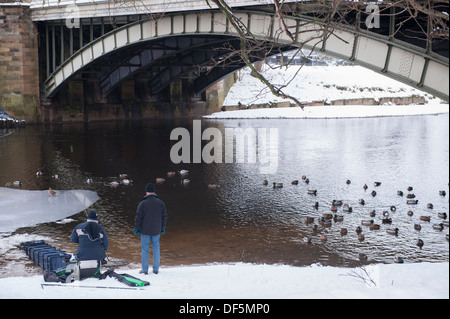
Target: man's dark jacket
{"points": [[151, 216], [92, 239]]}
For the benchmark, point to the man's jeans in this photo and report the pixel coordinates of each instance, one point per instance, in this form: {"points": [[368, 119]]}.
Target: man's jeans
{"points": [[145, 243]]}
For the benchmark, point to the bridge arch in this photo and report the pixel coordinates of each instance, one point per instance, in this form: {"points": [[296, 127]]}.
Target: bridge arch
{"points": [[136, 43]]}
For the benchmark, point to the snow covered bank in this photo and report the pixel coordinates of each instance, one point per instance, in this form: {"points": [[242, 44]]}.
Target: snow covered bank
{"points": [[418, 280], [333, 111], [319, 83]]}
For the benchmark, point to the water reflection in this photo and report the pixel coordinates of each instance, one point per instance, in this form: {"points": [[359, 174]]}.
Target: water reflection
{"points": [[244, 220]]}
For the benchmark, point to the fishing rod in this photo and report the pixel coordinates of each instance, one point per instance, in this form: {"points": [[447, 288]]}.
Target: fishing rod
{"points": [[96, 287]]}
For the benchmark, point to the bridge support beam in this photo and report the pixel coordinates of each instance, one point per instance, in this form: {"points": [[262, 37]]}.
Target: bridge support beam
{"points": [[19, 68]]}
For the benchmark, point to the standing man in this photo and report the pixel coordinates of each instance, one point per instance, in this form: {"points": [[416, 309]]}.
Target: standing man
{"points": [[150, 223]]}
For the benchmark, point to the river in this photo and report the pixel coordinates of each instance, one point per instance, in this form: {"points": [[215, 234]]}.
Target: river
{"points": [[243, 220]]}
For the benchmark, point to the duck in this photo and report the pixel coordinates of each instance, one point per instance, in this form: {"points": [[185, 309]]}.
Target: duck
{"points": [[425, 218], [325, 222], [17, 183], [362, 257], [398, 260], [171, 174], [323, 237], [114, 184], [338, 218], [185, 181], [392, 231], [344, 231], [386, 220], [304, 177], [8, 184], [399, 193], [411, 196], [376, 184], [361, 237], [442, 215], [307, 181], [309, 220], [372, 213], [410, 213], [419, 243], [51, 192], [307, 240], [438, 226], [393, 208], [277, 185], [358, 230], [442, 193], [362, 201], [347, 208], [446, 223], [183, 172], [412, 202], [56, 176], [337, 202], [38, 174], [317, 229], [127, 181], [374, 227], [213, 186], [160, 180], [327, 216], [348, 182], [367, 222], [295, 182], [123, 175], [334, 209], [89, 181], [417, 227], [410, 188], [430, 206], [265, 182], [312, 191], [373, 193], [316, 205], [365, 187]]}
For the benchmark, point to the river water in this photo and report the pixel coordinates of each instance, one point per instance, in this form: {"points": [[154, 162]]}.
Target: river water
{"points": [[244, 220]]}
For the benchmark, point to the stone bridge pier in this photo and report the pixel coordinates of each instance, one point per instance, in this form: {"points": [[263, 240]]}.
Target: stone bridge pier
{"points": [[19, 65]]}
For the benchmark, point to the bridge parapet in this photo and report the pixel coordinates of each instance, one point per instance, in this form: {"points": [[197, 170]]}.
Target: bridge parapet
{"points": [[56, 9]]}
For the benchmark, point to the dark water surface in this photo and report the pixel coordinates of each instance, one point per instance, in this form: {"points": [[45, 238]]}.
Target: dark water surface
{"points": [[244, 220]]}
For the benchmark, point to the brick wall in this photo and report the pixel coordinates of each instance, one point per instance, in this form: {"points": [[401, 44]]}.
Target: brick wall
{"points": [[19, 70]]}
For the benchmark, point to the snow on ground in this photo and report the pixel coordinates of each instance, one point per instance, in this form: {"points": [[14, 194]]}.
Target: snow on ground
{"points": [[333, 111], [318, 83], [245, 281]]}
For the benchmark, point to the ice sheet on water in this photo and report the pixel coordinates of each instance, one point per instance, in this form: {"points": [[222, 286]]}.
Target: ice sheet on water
{"points": [[24, 208]]}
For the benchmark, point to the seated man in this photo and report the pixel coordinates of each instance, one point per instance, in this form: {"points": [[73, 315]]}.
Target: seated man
{"points": [[92, 239]]}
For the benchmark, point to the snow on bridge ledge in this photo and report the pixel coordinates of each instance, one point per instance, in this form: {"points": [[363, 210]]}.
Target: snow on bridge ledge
{"points": [[55, 10]]}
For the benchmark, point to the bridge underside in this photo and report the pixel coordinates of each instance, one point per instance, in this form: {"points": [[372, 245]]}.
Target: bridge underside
{"points": [[201, 60], [193, 51]]}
